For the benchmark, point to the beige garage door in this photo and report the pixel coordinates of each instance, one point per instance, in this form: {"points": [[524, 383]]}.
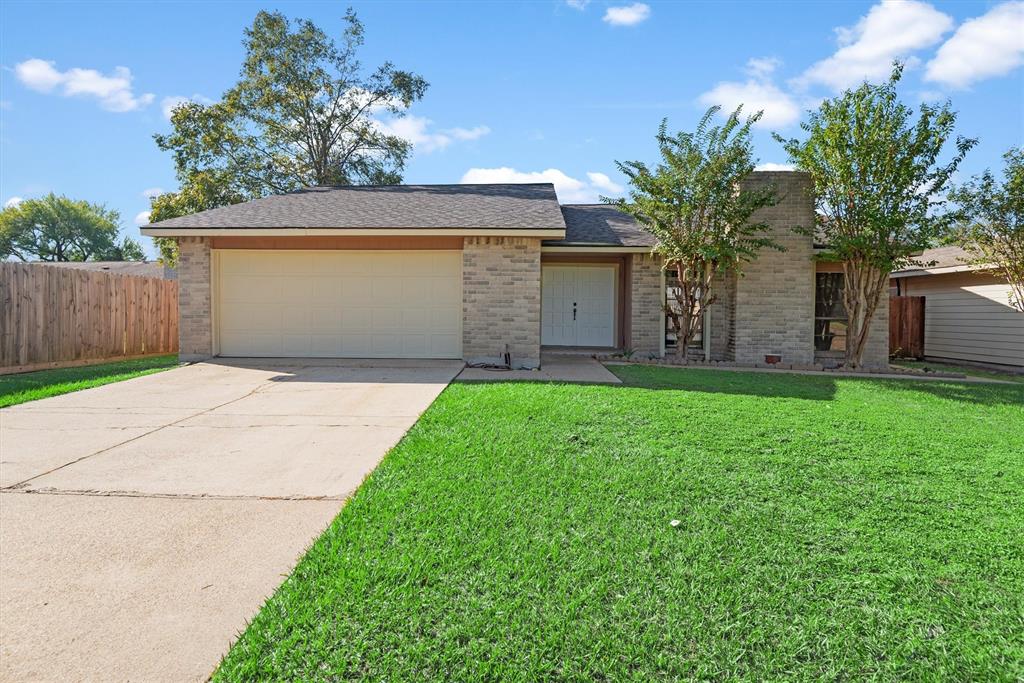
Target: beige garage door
{"points": [[339, 304]]}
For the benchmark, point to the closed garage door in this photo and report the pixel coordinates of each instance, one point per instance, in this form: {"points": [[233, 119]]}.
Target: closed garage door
{"points": [[339, 304]]}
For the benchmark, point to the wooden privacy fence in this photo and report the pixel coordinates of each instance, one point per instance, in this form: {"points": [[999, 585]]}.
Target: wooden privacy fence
{"points": [[53, 317], [906, 326]]}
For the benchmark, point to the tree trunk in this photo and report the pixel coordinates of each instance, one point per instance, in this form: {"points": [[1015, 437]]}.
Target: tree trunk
{"points": [[863, 285], [693, 282]]}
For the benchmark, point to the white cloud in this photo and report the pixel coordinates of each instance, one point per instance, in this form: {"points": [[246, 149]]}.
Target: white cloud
{"points": [[891, 30], [417, 130], [113, 91], [142, 218], [627, 15], [168, 104], [13, 201], [762, 67], [603, 182], [779, 108], [755, 94], [989, 45], [578, 4], [570, 190], [151, 192], [774, 167]]}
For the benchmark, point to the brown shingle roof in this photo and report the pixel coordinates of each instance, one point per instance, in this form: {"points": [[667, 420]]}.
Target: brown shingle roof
{"points": [[941, 259], [493, 206], [601, 225]]}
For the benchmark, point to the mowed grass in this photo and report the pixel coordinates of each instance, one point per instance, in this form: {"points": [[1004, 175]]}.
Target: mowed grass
{"points": [[828, 528], [969, 370], [30, 386]]}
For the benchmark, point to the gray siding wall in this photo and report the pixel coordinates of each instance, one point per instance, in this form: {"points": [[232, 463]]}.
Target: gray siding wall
{"points": [[967, 316]]}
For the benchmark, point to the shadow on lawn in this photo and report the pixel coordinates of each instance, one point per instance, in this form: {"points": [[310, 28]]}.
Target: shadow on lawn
{"points": [[807, 387]]}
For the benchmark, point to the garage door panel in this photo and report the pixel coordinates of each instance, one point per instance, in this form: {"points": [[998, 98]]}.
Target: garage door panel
{"points": [[294, 318], [292, 288], [326, 291], [387, 345], [414, 293], [326, 320], [356, 291], [356, 346], [385, 320], [415, 319], [326, 346], [295, 263], [445, 346], [415, 345], [446, 292], [340, 304], [296, 345], [445, 318], [386, 291]]}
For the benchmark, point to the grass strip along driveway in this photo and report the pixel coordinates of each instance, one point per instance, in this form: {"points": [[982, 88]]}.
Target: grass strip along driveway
{"points": [[31, 386], [688, 524]]}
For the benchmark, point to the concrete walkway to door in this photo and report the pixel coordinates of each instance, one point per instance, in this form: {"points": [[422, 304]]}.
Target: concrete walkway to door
{"points": [[142, 523]]}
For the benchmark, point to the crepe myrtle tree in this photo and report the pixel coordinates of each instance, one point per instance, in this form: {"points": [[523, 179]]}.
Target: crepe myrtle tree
{"points": [[879, 189], [694, 202], [991, 226], [302, 113]]}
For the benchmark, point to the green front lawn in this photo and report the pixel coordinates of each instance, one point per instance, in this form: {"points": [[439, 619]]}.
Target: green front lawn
{"points": [[690, 524], [969, 370], [30, 386]]}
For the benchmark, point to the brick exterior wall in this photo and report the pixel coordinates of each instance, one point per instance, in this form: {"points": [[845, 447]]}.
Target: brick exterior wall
{"points": [[647, 305], [501, 299], [876, 355], [195, 330], [722, 314], [774, 301]]}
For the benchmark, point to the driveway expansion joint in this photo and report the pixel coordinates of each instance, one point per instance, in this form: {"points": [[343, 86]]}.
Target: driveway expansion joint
{"points": [[186, 496], [135, 438]]}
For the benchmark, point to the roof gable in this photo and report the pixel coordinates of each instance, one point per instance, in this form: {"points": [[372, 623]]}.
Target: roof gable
{"points": [[508, 207]]}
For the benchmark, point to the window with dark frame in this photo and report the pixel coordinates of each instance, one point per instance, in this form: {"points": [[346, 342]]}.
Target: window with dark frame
{"points": [[830, 320], [671, 335]]}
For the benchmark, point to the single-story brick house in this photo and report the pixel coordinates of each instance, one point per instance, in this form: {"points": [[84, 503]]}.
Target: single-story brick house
{"points": [[470, 272]]}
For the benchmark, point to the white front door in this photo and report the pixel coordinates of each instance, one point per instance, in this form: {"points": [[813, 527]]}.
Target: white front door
{"points": [[578, 306]]}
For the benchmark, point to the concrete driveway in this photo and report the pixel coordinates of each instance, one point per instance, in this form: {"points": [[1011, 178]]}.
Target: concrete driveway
{"points": [[143, 523]]}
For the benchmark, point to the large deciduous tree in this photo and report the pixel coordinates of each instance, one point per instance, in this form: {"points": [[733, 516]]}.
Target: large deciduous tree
{"points": [[55, 228], [992, 222], [301, 114], [879, 187], [694, 202]]}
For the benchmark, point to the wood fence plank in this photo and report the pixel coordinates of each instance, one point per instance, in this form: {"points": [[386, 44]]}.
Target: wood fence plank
{"points": [[51, 315]]}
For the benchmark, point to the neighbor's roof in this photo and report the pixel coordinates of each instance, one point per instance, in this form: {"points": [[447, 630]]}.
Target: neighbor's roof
{"points": [[494, 206], [600, 225], [941, 260], [134, 268]]}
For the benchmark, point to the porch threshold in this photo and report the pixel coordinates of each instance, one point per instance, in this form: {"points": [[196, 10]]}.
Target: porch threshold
{"points": [[574, 368]]}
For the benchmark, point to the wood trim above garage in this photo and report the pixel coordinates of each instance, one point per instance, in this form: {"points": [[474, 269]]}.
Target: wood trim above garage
{"points": [[358, 243]]}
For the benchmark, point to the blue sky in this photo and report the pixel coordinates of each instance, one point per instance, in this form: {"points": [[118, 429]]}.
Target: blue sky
{"points": [[546, 90]]}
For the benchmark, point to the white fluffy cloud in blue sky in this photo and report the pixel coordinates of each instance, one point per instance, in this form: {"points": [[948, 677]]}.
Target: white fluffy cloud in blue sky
{"points": [[560, 93], [113, 92]]}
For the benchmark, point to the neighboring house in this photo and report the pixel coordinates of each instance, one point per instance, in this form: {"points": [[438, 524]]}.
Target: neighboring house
{"points": [[967, 312], [135, 268], [470, 272]]}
